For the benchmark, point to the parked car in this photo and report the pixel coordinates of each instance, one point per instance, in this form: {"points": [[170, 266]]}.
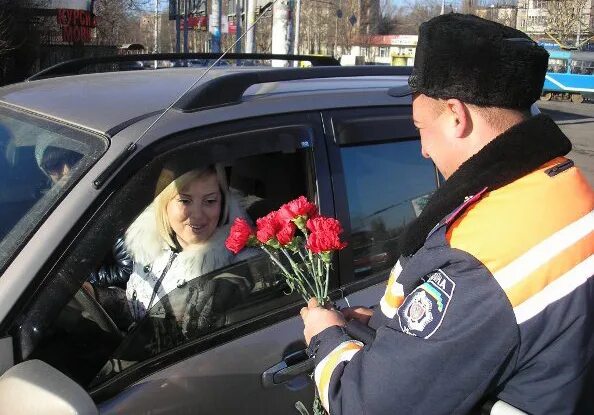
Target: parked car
{"points": [[330, 133]]}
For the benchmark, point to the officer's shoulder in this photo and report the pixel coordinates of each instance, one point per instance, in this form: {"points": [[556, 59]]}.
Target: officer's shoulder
{"points": [[506, 222]]}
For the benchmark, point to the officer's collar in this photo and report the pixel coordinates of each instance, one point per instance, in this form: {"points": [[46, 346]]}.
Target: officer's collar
{"points": [[513, 154]]}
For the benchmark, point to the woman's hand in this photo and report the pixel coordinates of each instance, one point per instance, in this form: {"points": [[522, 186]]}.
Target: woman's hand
{"points": [[361, 314], [316, 319]]}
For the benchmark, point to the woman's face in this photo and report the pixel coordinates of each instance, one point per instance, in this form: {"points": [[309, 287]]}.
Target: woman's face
{"points": [[194, 213]]}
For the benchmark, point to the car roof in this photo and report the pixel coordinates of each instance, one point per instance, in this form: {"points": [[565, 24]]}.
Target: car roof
{"points": [[102, 101]]}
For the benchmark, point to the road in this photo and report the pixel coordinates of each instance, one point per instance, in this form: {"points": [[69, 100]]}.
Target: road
{"points": [[577, 122]]}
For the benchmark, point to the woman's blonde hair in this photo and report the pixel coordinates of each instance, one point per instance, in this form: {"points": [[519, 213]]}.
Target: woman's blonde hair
{"points": [[173, 189]]}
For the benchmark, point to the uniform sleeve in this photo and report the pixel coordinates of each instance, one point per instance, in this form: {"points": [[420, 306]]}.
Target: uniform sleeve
{"points": [[445, 348]]}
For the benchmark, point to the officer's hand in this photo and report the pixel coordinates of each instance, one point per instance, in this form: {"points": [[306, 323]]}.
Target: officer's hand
{"points": [[362, 314], [317, 319]]}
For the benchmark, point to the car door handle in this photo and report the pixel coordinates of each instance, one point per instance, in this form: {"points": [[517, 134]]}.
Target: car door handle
{"points": [[293, 365]]}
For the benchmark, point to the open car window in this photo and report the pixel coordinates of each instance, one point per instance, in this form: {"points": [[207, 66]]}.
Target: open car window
{"points": [[223, 298]]}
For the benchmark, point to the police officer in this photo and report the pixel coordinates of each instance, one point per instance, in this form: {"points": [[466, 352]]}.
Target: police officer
{"points": [[493, 294]]}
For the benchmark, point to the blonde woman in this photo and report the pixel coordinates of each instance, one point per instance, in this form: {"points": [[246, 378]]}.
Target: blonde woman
{"points": [[178, 238]]}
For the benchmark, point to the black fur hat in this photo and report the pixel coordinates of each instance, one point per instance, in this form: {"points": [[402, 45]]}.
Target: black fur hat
{"points": [[478, 62]]}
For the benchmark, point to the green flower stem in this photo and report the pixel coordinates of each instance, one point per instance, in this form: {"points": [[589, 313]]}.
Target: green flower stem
{"points": [[316, 279], [306, 262], [327, 266], [298, 271], [289, 277], [313, 266], [319, 277], [276, 261]]}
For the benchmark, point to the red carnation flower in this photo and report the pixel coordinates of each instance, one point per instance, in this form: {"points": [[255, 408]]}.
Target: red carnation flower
{"points": [[324, 235], [295, 208], [285, 235], [239, 235], [267, 227], [324, 224]]}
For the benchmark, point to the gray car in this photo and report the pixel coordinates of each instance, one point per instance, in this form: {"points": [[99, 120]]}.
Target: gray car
{"points": [[329, 133]]}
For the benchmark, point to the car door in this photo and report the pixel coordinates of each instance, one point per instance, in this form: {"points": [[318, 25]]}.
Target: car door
{"points": [[268, 161]]}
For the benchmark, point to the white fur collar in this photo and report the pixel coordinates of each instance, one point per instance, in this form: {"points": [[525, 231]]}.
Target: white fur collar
{"points": [[144, 244]]}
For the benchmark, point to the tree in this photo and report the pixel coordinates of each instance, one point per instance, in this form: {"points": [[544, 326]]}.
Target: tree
{"points": [[20, 33], [564, 19], [118, 21], [418, 12], [388, 20]]}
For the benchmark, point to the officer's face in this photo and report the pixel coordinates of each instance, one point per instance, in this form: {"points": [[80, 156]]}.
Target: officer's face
{"points": [[430, 117]]}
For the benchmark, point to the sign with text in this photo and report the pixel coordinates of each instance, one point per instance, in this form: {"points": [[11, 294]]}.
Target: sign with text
{"points": [[77, 25]]}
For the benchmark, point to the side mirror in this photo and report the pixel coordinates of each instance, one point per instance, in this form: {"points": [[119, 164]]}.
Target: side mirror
{"points": [[34, 387]]}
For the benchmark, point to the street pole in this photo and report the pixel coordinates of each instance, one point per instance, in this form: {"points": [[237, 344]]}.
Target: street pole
{"points": [[250, 38], [579, 29], [281, 30], [442, 7], [335, 48], [156, 31], [186, 48], [237, 26], [297, 28], [177, 27], [215, 18]]}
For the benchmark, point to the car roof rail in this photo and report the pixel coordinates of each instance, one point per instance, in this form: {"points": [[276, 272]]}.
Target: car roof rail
{"points": [[74, 66], [228, 89]]}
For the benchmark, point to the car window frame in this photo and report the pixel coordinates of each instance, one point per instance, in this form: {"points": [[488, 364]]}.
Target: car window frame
{"points": [[203, 135], [385, 132]]}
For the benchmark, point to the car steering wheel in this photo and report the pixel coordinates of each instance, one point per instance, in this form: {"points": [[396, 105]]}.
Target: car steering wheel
{"points": [[96, 313]]}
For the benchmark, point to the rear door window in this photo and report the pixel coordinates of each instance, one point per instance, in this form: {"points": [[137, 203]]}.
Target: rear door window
{"points": [[386, 184]]}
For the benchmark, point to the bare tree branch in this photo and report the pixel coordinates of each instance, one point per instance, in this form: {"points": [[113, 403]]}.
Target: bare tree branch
{"points": [[565, 18]]}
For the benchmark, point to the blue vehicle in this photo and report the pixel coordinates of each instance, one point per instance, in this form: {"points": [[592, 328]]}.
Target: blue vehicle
{"points": [[570, 76]]}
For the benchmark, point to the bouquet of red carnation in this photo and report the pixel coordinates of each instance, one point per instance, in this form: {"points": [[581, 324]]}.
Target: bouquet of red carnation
{"points": [[297, 233]]}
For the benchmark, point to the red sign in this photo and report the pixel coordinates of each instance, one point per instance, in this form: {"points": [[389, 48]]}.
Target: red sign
{"points": [[77, 25], [194, 23]]}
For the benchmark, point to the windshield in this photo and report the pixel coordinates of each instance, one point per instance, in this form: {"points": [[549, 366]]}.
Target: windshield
{"points": [[39, 161]]}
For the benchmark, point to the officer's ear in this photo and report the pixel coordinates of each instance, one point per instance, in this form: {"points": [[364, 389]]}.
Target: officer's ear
{"points": [[458, 118]]}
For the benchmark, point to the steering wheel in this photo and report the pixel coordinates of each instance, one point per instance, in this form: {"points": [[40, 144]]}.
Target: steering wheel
{"points": [[96, 313]]}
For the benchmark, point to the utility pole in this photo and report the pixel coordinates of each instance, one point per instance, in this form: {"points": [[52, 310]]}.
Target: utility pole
{"points": [[186, 48], [215, 20], [156, 31], [250, 38], [281, 30], [177, 28], [238, 25], [297, 28]]}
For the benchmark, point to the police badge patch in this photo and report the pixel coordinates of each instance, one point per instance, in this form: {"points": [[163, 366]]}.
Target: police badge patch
{"points": [[424, 308]]}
